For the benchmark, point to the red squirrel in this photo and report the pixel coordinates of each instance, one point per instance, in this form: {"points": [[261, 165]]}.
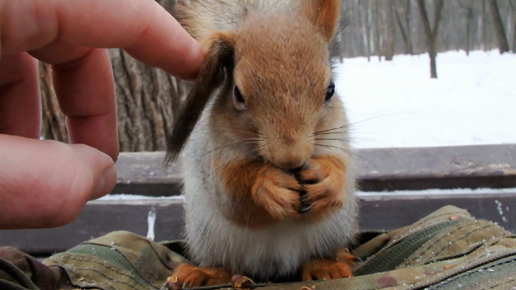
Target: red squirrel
{"points": [[268, 179]]}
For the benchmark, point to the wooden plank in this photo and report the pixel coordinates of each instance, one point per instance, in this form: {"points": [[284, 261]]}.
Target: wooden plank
{"points": [[377, 212], [488, 166], [491, 166], [144, 173], [99, 218]]}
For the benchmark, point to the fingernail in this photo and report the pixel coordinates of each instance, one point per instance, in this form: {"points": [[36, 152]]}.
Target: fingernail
{"points": [[106, 182]]}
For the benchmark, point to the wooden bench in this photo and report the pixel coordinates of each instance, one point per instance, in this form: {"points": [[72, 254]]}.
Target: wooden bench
{"points": [[393, 184]]}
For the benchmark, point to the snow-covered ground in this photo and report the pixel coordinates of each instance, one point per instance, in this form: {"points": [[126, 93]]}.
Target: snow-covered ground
{"points": [[396, 104]]}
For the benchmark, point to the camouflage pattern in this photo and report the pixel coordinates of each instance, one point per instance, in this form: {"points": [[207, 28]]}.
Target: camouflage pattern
{"points": [[119, 260], [448, 249]]}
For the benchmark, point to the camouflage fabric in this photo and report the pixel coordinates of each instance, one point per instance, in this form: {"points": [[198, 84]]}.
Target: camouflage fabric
{"points": [[448, 249]]}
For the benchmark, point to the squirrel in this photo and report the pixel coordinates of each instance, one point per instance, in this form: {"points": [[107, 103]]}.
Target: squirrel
{"points": [[264, 143]]}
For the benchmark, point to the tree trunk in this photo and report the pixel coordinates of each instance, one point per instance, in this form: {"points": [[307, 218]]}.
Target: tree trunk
{"points": [[408, 8], [468, 8], [377, 30], [53, 122], [147, 101], [363, 30], [496, 20], [368, 27], [352, 20], [364, 27], [404, 29], [485, 41], [431, 33], [514, 36], [513, 8], [389, 29], [433, 62]]}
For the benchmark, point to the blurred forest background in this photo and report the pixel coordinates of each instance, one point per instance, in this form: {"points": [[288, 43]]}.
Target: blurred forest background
{"points": [[148, 99]]}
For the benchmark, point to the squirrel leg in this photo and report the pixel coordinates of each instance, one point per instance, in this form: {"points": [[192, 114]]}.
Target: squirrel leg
{"points": [[188, 276], [339, 266]]}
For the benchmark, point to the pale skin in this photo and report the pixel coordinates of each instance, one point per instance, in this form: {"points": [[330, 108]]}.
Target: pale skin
{"points": [[46, 183]]}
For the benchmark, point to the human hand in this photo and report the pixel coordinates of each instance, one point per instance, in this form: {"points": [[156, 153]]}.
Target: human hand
{"points": [[46, 183]]}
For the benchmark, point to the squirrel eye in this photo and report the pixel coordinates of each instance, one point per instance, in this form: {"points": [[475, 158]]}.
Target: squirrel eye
{"points": [[238, 96], [330, 91]]}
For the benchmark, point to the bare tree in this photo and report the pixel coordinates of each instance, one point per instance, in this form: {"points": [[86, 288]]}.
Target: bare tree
{"points": [[368, 21], [485, 34], [389, 30], [376, 19], [403, 6], [348, 34], [496, 19], [513, 9], [431, 33], [365, 29], [467, 5]]}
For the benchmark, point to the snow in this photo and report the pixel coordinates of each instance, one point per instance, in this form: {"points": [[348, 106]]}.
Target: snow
{"points": [[396, 104], [360, 194], [151, 223], [134, 197]]}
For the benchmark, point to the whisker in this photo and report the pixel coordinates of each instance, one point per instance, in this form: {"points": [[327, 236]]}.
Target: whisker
{"points": [[329, 133], [243, 129], [331, 139], [330, 146], [223, 146], [209, 116], [352, 124], [349, 152]]}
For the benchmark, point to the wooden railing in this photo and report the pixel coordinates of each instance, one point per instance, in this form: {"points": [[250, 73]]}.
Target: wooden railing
{"points": [[382, 174]]}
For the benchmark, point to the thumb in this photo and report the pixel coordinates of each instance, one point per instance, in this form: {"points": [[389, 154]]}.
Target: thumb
{"points": [[46, 183]]}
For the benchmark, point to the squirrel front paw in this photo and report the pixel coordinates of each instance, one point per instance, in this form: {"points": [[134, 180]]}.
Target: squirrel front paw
{"points": [[188, 276], [277, 192], [323, 185]]}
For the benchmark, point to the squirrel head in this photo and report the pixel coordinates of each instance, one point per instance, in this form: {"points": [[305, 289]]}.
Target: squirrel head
{"points": [[278, 82]]}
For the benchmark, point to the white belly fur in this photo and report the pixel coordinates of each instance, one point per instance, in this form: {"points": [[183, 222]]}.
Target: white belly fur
{"points": [[278, 250]]}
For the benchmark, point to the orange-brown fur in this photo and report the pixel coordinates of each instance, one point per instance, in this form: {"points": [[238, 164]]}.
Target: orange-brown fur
{"points": [[262, 161], [190, 276], [339, 266], [274, 193]]}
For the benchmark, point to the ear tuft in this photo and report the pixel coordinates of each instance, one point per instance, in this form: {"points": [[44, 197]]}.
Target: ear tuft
{"points": [[324, 15], [219, 48]]}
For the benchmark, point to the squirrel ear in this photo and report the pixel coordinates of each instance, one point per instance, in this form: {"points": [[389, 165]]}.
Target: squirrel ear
{"points": [[324, 15], [219, 49]]}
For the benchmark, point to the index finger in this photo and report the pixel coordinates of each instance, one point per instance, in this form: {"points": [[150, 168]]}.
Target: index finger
{"points": [[142, 27]]}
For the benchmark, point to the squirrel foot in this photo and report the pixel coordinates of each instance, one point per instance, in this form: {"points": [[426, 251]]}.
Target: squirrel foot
{"points": [[338, 267], [188, 276]]}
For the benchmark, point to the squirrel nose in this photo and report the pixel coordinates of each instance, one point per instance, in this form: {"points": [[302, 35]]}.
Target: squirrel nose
{"points": [[288, 156], [291, 164]]}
